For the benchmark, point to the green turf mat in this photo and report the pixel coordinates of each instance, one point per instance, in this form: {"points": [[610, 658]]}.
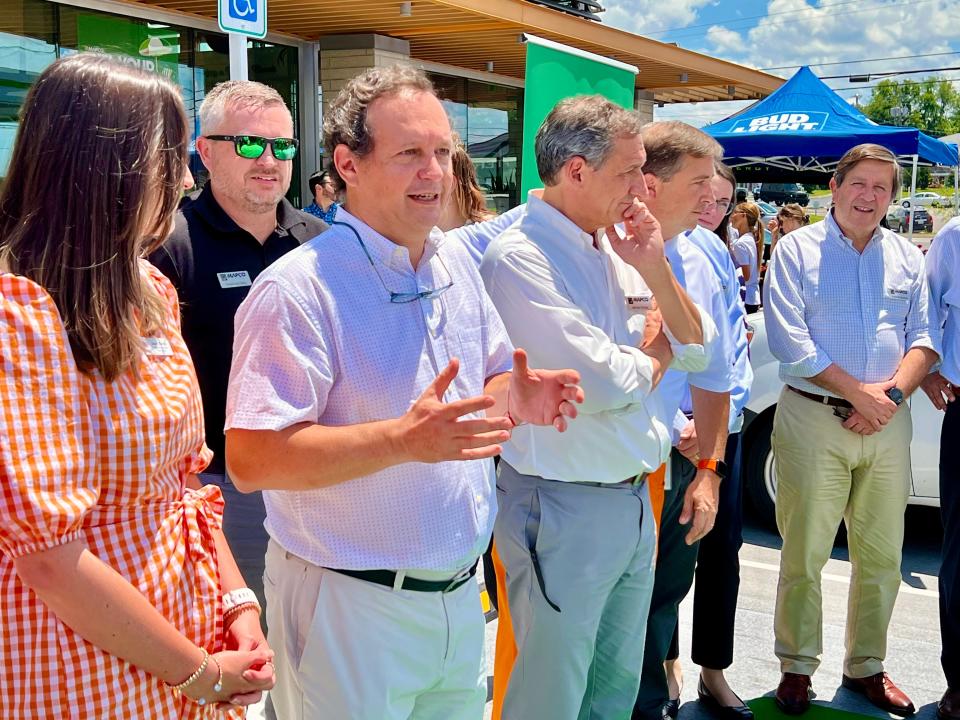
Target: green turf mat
{"points": [[765, 708]]}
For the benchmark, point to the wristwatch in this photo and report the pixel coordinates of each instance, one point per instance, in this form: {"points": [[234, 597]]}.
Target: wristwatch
{"points": [[718, 466], [895, 394]]}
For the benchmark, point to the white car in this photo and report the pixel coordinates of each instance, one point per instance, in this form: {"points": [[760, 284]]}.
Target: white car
{"points": [[926, 199], [757, 462]]}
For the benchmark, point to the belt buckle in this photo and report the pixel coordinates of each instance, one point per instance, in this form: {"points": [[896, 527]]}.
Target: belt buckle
{"points": [[459, 578]]}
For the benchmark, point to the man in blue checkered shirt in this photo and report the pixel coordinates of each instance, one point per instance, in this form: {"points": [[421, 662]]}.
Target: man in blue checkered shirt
{"points": [[846, 316]]}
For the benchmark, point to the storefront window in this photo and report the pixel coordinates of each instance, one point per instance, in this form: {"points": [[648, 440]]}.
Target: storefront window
{"points": [[27, 46], [194, 59], [489, 120]]}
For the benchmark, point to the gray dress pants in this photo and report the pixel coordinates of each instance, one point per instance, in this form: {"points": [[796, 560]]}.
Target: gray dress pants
{"points": [[579, 563]]}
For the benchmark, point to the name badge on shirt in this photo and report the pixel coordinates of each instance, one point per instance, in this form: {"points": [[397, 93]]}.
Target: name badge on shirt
{"points": [[898, 293], [158, 347], [639, 302], [236, 278]]}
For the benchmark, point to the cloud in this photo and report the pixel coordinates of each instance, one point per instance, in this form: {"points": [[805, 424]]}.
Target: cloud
{"points": [[803, 32], [649, 16]]}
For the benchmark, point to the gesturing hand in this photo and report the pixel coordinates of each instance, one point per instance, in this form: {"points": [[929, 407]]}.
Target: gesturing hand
{"points": [[433, 431], [542, 397], [642, 246]]}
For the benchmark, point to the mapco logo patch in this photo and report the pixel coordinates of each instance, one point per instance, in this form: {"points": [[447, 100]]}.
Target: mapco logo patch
{"points": [[783, 122]]}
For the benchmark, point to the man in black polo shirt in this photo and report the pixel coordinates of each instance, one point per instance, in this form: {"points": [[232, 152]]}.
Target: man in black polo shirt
{"points": [[223, 238]]}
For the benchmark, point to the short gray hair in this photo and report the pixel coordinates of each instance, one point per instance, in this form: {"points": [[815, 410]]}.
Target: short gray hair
{"points": [[245, 94], [669, 142], [345, 121], [586, 126]]}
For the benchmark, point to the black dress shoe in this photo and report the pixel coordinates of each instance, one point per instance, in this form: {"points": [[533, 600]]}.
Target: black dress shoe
{"points": [[722, 712], [949, 706], [670, 709]]}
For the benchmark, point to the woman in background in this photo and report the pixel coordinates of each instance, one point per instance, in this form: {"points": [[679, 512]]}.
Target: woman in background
{"points": [[120, 598], [466, 203], [745, 218], [789, 218]]}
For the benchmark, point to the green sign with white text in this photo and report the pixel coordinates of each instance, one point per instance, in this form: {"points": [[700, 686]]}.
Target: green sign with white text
{"points": [[151, 48]]}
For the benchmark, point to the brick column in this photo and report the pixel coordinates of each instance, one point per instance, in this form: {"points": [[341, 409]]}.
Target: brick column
{"points": [[345, 56]]}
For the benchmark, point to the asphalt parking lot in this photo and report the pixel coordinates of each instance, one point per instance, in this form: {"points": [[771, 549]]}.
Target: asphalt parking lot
{"points": [[914, 638]]}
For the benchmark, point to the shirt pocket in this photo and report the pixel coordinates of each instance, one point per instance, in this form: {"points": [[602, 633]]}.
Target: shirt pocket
{"points": [[895, 303], [469, 348]]}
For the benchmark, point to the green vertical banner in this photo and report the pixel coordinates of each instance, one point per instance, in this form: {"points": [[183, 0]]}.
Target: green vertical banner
{"points": [[555, 72], [154, 48]]}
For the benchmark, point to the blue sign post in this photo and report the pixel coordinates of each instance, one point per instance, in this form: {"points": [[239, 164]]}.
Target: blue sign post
{"points": [[247, 17]]}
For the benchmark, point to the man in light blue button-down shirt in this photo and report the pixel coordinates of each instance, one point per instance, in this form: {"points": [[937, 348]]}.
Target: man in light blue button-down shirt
{"points": [[846, 306], [943, 274]]}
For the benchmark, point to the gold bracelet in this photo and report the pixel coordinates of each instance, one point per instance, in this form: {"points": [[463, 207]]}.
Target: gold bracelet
{"points": [[217, 686], [196, 673]]}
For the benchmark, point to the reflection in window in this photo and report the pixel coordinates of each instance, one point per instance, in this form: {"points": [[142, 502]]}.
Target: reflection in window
{"points": [[489, 118], [35, 32]]}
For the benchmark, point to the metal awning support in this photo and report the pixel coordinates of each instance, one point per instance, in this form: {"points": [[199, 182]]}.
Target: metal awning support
{"points": [[913, 193]]}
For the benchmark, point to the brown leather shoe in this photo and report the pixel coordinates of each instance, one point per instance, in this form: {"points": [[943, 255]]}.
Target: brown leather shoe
{"points": [[881, 691], [793, 693], [949, 706]]}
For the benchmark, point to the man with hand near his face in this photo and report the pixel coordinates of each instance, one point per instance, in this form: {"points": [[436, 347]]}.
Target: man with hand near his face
{"points": [[846, 306], [575, 530]]}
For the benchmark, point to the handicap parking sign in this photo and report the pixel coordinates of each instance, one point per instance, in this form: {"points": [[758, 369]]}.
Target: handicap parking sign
{"points": [[248, 17]]}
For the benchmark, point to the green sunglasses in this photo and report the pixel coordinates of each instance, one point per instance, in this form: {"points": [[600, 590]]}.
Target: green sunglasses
{"points": [[253, 146]]}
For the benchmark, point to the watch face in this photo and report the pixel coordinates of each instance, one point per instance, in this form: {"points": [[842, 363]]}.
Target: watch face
{"points": [[895, 394]]}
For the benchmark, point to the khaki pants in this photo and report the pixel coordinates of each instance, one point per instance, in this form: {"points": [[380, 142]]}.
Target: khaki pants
{"points": [[825, 473], [347, 649]]}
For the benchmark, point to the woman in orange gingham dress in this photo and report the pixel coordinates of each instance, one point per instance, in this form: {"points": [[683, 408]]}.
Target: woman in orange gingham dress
{"points": [[112, 571]]}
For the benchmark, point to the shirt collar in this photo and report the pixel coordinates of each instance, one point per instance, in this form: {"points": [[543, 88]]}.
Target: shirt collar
{"points": [[384, 250], [833, 230], [289, 218], [567, 231]]}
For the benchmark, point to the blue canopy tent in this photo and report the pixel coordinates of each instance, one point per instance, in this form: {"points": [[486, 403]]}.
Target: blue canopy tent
{"points": [[801, 130]]}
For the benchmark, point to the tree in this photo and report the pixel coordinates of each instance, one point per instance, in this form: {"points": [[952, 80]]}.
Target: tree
{"points": [[931, 105]]}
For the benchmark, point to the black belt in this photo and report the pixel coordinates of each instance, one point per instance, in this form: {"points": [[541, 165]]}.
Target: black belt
{"points": [[389, 577], [633, 480], [822, 399]]}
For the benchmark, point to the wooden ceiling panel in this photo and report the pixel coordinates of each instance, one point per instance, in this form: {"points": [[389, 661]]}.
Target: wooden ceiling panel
{"points": [[471, 33]]}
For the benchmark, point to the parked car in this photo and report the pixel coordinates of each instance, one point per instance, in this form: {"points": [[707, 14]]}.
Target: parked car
{"points": [[783, 193], [926, 199], [758, 462], [897, 219]]}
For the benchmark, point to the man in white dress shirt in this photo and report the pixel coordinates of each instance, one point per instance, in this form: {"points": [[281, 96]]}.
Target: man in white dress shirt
{"points": [[846, 306], [575, 531], [370, 387]]}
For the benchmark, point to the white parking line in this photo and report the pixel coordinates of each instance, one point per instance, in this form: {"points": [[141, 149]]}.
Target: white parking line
{"points": [[904, 588]]}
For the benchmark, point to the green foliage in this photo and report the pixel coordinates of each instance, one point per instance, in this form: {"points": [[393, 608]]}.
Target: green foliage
{"points": [[930, 105]]}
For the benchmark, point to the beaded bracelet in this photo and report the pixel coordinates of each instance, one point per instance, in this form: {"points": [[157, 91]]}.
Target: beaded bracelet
{"points": [[218, 685], [237, 609], [196, 673]]}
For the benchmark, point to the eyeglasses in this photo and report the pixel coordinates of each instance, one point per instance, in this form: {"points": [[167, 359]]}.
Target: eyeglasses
{"points": [[400, 298], [725, 206], [253, 146]]}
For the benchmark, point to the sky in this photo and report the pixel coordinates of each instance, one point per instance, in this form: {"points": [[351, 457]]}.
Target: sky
{"points": [[779, 35]]}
